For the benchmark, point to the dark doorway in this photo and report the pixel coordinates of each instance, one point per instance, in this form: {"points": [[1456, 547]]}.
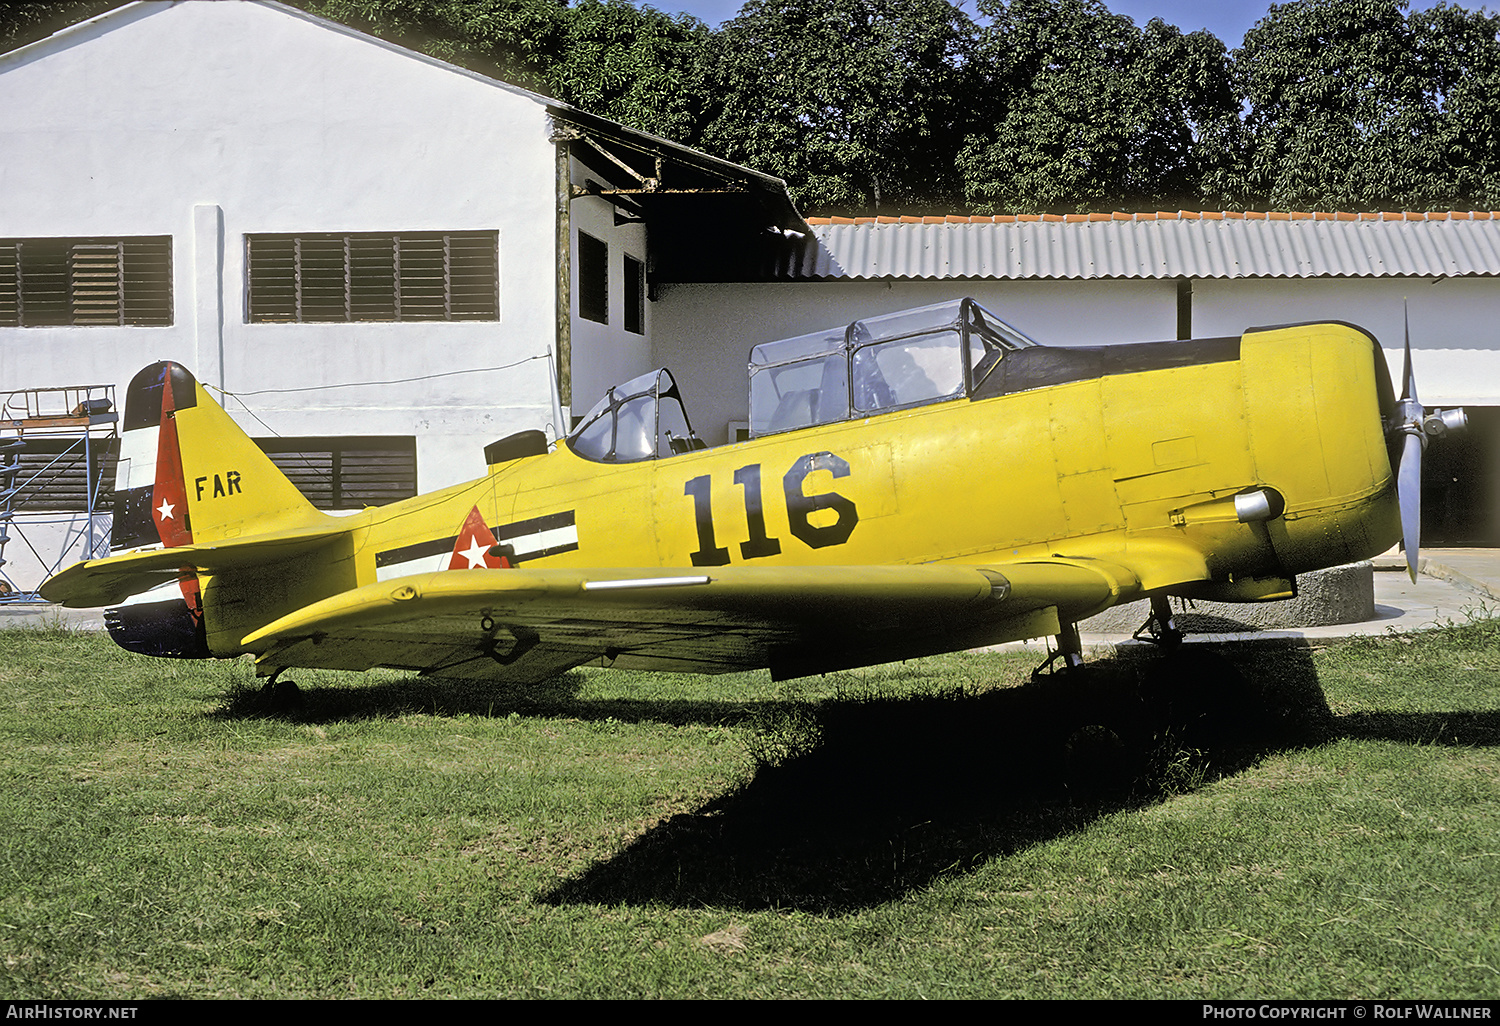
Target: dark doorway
{"points": [[1461, 485]]}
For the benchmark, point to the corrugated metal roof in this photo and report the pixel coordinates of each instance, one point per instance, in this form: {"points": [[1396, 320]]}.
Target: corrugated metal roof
{"points": [[1185, 244]]}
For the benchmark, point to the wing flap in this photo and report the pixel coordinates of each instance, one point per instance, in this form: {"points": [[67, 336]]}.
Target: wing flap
{"points": [[523, 625]]}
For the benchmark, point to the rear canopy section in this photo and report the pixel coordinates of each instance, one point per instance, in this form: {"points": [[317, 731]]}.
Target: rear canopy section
{"points": [[895, 361]]}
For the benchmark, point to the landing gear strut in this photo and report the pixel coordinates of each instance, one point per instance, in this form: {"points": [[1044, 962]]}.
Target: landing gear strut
{"points": [[1069, 650], [1160, 627]]}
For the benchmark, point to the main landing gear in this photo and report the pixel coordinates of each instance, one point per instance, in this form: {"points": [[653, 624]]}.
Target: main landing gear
{"points": [[280, 695], [1160, 627], [1068, 654]]}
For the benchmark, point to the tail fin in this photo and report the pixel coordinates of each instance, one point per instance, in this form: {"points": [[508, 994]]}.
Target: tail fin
{"points": [[188, 474]]}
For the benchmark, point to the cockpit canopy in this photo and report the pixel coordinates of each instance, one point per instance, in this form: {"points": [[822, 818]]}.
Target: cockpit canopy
{"points": [[642, 419], [892, 362]]}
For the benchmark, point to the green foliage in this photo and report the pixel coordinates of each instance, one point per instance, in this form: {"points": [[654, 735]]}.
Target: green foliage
{"points": [[1353, 105], [1460, 51], [858, 104], [514, 39], [1091, 112], [634, 65], [22, 23], [1337, 111], [866, 106], [879, 106]]}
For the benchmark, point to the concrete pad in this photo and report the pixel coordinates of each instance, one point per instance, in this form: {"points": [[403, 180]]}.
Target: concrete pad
{"points": [[44, 614]]}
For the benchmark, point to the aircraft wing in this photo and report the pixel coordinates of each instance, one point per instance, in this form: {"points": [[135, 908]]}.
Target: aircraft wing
{"points": [[110, 581], [524, 625]]}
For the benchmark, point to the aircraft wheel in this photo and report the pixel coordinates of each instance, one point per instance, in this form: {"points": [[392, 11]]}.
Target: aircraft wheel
{"points": [[281, 695]]}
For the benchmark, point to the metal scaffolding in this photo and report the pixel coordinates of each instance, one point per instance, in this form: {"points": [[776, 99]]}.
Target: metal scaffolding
{"points": [[58, 449]]}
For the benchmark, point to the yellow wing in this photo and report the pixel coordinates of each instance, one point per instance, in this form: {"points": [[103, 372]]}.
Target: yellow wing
{"points": [[524, 625]]}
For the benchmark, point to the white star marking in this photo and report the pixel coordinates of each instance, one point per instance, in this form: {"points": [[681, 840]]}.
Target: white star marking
{"points": [[475, 554], [165, 510]]}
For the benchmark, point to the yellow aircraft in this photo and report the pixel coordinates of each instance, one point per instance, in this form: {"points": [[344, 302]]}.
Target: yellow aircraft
{"points": [[920, 482]]}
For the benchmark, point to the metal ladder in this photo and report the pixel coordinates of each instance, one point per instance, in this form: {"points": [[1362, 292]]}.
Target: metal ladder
{"points": [[10, 467]]}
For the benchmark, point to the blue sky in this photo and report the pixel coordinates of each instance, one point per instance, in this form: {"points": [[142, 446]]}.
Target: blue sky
{"points": [[1227, 19]]}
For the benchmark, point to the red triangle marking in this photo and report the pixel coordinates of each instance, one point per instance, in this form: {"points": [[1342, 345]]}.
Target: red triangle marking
{"points": [[472, 550]]}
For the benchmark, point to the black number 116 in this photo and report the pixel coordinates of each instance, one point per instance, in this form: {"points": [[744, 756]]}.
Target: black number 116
{"points": [[799, 507]]}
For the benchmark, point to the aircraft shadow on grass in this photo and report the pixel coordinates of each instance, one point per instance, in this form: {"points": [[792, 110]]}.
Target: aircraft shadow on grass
{"points": [[858, 801], [896, 793], [440, 696]]}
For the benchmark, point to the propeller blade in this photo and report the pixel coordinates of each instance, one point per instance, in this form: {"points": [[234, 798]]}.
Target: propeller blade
{"points": [[1409, 496], [1409, 473], [1408, 379]]}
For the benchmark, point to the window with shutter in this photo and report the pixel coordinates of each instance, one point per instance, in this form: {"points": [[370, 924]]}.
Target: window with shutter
{"points": [[635, 295], [593, 279], [348, 472], [60, 474], [373, 276], [116, 281]]}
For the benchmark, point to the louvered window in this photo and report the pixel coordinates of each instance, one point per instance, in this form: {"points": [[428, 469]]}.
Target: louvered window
{"points": [[51, 282], [347, 472], [371, 276]]}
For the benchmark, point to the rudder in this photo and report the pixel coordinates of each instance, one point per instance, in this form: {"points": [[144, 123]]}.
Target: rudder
{"points": [[189, 474]]}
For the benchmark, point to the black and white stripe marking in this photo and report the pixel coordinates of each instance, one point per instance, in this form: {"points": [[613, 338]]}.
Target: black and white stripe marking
{"points": [[530, 539]]}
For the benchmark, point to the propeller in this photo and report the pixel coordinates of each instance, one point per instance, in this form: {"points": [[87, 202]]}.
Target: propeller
{"points": [[1417, 426]]}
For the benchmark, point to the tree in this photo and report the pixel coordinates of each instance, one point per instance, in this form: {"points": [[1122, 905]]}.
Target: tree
{"points": [[515, 40], [1461, 51], [856, 103], [1341, 112], [25, 23], [1085, 111], [636, 66]]}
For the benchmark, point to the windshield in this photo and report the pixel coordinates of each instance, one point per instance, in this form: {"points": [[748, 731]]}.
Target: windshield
{"points": [[642, 419]]}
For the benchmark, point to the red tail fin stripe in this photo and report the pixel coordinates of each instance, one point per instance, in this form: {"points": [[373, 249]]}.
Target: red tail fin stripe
{"points": [[169, 509], [192, 593]]}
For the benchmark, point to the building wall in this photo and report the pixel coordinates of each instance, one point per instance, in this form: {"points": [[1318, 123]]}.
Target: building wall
{"points": [[1455, 323], [312, 128], [319, 128], [705, 332], [605, 354]]}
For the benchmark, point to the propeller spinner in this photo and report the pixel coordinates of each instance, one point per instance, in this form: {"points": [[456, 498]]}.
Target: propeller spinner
{"points": [[1417, 426]]}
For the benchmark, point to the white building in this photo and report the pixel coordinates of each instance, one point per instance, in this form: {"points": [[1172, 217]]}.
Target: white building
{"points": [[357, 245], [385, 262]]}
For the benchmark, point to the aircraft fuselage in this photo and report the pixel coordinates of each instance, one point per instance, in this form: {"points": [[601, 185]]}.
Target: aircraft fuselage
{"points": [[1127, 452]]}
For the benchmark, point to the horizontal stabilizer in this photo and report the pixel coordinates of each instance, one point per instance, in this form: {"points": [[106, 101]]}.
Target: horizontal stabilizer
{"points": [[106, 582]]}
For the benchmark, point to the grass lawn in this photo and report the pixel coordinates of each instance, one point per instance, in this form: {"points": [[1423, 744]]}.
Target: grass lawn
{"points": [[1254, 822]]}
